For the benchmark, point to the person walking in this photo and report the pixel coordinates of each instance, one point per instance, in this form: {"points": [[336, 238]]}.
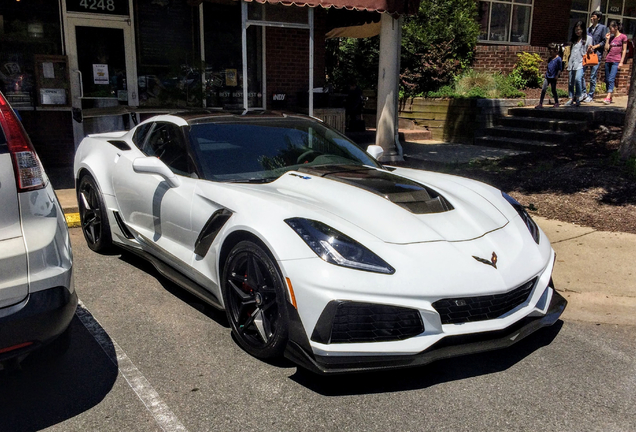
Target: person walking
{"points": [[616, 48], [580, 42], [598, 32], [552, 73]]}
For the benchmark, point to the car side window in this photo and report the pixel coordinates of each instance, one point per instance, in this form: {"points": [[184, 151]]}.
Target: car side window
{"points": [[141, 133], [165, 141]]}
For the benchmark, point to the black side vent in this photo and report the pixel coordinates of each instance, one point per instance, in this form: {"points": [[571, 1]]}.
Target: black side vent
{"points": [[469, 309], [210, 231], [352, 322], [122, 226], [121, 145]]}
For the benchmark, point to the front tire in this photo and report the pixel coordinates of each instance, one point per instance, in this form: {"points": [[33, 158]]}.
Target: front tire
{"points": [[255, 296], [93, 215]]}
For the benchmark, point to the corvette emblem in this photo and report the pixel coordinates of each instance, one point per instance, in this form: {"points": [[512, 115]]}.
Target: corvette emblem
{"points": [[492, 262]]}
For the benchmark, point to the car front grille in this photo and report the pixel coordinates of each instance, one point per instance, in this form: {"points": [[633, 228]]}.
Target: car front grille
{"points": [[351, 322], [469, 309]]}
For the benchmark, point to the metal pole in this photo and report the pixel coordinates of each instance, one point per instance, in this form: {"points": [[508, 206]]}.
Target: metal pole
{"points": [[311, 61], [202, 42], [244, 49]]}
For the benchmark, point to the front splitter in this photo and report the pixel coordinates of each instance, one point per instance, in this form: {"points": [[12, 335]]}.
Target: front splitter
{"points": [[450, 346]]}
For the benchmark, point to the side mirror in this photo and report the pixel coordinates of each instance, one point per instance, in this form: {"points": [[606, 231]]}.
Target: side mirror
{"points": [[375, 151], [152, 165]]}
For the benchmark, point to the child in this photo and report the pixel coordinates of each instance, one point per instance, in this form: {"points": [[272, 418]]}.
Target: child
{"points": [[555, 65]]}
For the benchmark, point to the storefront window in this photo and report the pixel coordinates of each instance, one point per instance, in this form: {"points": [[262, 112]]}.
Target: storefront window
{"points": [[620, 10], [615, 7], [629, 28], [169, 61], [224, 61], [505, 21], [26, 30]]}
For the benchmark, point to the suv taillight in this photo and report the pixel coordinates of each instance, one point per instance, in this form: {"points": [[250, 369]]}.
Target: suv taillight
{"points": [[29, 174]]}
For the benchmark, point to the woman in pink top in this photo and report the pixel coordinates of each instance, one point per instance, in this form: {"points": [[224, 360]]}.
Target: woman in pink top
{"points": [[616, 48]]}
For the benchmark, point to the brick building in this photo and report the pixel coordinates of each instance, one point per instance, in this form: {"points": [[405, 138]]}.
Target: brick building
{"points": [[74, 67], [510, 27]]}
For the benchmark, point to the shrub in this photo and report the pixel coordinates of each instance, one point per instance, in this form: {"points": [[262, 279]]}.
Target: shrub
{"points": [[446, 91], [526, 71], [506, 87], [473, 84]]}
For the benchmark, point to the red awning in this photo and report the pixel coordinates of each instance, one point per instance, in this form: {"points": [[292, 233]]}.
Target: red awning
{"points": [[393, 7]]}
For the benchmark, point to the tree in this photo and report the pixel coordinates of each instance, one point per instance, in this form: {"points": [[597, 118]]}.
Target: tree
{"points": [[437, 44], [350, 59], [628, 141]]}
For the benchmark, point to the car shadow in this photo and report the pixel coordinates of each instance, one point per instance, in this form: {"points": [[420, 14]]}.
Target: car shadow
{"points": [[439, 372], [47, 390], [193, 301]]}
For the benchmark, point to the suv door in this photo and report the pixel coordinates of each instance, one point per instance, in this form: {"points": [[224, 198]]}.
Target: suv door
{"points": [[14, 285]]}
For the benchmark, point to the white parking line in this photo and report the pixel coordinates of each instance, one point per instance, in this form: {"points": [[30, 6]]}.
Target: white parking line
{"points": [[164, 417]]}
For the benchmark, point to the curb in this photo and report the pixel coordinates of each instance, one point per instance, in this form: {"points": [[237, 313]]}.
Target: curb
{"points": [[73, 220]]}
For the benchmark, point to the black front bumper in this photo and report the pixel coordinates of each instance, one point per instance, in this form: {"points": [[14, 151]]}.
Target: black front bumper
{"points": [[40, 318], [450, 346]]}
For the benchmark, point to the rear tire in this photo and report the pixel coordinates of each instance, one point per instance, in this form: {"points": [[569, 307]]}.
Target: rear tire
{"points": [[93, 215], [254, 295]]}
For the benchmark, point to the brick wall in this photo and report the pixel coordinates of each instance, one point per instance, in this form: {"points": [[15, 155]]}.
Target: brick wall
{"points": [[287, 54], [550, 22], [502, 58]]}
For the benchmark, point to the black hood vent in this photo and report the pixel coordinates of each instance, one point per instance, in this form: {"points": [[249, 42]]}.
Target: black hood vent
{"points": [[412, 196]]}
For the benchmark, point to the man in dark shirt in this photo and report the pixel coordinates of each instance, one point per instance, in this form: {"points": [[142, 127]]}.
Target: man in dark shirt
{"points": [[598, 32]]}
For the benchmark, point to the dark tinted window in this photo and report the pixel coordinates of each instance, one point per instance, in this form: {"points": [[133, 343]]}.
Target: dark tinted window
{"points": [[165, 141], [266, 148], [141, 133]]}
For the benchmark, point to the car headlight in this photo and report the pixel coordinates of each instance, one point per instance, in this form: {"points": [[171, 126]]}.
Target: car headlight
{"points": [[336, 248], [532, 226]]}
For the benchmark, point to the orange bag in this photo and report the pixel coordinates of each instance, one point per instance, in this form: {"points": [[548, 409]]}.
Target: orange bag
{"points": [[590, 60]]}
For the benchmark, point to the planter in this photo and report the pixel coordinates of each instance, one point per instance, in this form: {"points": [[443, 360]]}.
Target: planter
{"points": [[456, 120]]}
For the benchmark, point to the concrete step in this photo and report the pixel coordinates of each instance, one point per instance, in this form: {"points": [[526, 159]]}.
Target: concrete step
{"points": [[415, 134], [547, 124], [569, 113], [527, 134], [513, 143]]}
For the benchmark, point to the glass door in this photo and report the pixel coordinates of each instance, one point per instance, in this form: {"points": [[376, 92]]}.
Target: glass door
{"points": [[103, 74]]}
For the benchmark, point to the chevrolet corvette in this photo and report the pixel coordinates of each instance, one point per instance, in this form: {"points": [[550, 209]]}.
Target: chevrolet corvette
{"points": [[314, 249]]}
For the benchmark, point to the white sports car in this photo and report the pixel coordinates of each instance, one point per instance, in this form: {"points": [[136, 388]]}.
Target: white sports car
{"points": [[314, 249]]}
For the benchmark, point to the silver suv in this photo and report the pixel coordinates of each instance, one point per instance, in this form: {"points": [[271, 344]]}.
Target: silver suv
{"points": [[37, 296]]}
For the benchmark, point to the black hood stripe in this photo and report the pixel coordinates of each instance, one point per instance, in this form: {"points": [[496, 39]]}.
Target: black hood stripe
{"points": [[410, 195]]}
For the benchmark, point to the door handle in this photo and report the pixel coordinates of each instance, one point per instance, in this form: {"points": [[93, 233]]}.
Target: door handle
{"points": [[81, 83]]}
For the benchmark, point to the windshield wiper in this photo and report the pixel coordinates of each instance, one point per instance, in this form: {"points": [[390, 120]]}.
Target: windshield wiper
{"points": [[254, 180]]}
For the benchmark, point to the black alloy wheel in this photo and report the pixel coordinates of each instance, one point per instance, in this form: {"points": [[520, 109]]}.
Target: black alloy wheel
{"points": [[254, 297], [93, 216]]}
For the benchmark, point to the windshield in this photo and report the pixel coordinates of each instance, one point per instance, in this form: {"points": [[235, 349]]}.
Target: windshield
{"points": [[264, 149]]}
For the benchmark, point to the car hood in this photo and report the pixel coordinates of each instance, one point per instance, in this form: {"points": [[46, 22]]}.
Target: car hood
{"points": [[393, 208]]}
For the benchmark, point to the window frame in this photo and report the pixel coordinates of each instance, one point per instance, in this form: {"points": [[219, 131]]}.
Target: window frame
{"points": [[512, 4]]}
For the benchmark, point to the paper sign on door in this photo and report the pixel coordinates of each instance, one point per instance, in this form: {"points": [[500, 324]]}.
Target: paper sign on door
{"points": [[100, 74]]}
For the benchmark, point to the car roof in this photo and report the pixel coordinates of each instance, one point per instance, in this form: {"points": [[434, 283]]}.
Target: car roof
{"points": [[211, 116]]}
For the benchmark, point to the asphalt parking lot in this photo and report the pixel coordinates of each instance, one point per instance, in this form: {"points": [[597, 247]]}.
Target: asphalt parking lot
{"points": [[147, 356]]}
